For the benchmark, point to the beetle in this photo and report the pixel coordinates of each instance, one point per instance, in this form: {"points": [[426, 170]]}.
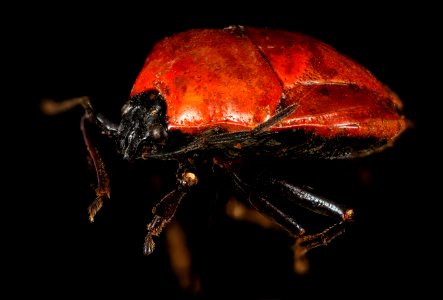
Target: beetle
{"points": [[225, 95]]}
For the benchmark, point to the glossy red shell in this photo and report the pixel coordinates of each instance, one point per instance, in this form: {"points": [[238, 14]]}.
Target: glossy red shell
{"points": [[238, 77]]}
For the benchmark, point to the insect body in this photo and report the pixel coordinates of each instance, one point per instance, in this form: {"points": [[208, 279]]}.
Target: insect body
{"points": [[241, 92]]}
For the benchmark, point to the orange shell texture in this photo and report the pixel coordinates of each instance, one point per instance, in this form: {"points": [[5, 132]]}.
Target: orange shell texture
{"points": [[238, 77]]}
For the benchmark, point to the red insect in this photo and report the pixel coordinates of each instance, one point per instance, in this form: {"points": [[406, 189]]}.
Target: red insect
{"points": [[240, 93]]}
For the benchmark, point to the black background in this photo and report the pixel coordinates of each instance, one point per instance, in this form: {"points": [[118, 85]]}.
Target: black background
{"points": [[76, 51]]}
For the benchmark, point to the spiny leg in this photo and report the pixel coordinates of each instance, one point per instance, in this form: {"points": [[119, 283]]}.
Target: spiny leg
{"points": [[165, 210], [103, 190]]}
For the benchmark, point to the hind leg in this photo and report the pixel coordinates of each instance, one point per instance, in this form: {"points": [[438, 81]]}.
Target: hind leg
{"points": [[268, 195]]}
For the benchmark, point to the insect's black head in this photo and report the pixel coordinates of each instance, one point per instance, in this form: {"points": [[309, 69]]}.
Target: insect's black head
{"points": [[143, 126]]}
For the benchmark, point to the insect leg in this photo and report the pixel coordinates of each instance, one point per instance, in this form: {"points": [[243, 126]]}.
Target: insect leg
{"points": [[165, 210], [260, 201], [51, 107], [107, 128], [103, 190], [269, 194], [306, 198]]}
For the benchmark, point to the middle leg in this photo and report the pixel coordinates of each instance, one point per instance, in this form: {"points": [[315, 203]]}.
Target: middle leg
{"points": [[165, 210]]}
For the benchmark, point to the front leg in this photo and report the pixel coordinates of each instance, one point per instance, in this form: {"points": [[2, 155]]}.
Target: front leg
{"points": [[165, 210], [103, 190], [107, 128]]}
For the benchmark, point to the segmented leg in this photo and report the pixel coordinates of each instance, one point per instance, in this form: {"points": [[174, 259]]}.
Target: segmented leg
{"points": [[307, 199], [305, 243], [51, 107], [103, 189], [260, 201], [281, 192], [165, 210]]}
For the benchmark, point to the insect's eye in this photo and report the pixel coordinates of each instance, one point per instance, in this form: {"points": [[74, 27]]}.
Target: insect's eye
{"points": [[157, 133]]}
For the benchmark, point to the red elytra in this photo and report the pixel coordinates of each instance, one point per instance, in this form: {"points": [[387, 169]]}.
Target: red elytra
{"points": [[217, 95], [234, 78]]}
